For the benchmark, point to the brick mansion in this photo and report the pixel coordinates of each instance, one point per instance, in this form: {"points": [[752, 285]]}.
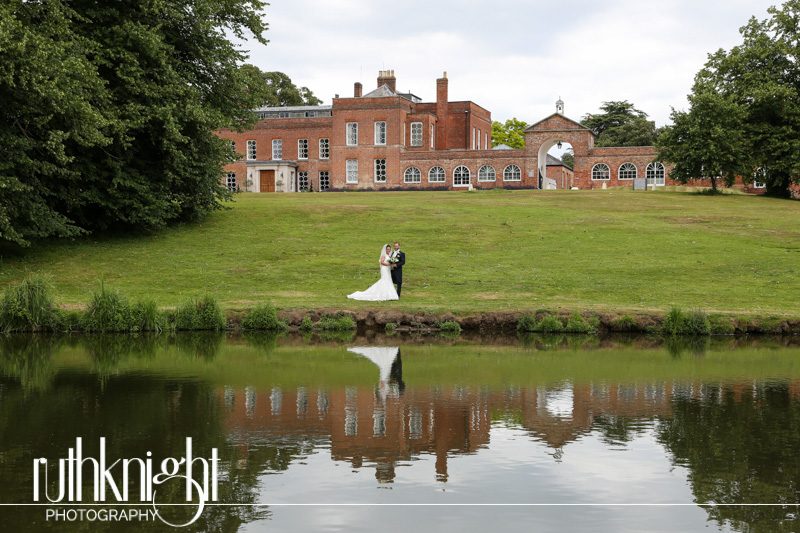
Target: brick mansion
{"points": [[386, 139]]}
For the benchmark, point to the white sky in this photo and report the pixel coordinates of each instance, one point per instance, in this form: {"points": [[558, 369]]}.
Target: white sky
{"points": [[513, 57]]}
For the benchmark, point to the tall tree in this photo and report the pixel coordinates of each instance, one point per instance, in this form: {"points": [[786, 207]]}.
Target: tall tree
{"points": [[511, 133], [753, 92], [109, 111], [282, 92], [621, 124], [706, 143]]}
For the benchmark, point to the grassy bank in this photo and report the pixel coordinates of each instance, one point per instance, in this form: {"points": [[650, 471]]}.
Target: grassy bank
{"points": [[466, 253]]}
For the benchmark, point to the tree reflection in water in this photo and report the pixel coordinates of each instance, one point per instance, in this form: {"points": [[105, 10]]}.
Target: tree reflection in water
{"points": [[270, 404]]}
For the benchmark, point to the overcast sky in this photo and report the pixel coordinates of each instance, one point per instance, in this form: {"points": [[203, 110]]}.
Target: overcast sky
{"points": [[513, 57]]}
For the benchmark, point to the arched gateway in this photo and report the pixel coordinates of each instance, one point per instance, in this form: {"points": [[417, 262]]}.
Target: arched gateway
{"points": [[594, 167], [543, 135]]}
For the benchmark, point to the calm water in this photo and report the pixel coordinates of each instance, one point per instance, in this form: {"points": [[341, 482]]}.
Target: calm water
{"points": [[352, 424]]}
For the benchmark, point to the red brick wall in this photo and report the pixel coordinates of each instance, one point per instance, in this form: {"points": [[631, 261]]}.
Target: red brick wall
{"points": [[614, 157], [473, 160], [289, 130]]}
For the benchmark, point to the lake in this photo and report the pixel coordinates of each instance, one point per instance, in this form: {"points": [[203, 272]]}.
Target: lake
{"points": [[401, 434]]}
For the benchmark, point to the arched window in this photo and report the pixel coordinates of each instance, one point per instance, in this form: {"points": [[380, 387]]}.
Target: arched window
{"points": [[601, 172], [436, 175], [486, 173], [461, 176], [412, 175], [512, 173], [627, 171], [655, 174]]}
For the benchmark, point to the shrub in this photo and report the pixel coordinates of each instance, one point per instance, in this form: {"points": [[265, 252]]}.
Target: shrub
{"points": [[28, 306], [696, 323], [693, 323], [577, 324], [390, 327], [624, 323], [672, 322], [145, 316], [549, 324], [306, 324], [526, 323], [202, 314], [108, 311], [263, 317], [721, 325], [450, 326], [340, 322]]}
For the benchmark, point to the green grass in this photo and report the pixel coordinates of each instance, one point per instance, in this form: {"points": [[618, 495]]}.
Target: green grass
{"points": [[485, 251]]}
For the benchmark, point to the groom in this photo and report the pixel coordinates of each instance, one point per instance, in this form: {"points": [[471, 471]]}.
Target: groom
{"points": [[398, 259]]}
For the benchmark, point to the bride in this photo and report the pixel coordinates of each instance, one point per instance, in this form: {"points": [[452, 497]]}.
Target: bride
{"points": [[383, 289]]}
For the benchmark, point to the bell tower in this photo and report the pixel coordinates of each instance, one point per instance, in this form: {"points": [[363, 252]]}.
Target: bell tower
{"points": [[560, 106]]}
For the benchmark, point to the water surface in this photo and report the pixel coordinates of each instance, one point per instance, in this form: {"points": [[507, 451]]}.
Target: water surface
{"points": [[554, 433]]}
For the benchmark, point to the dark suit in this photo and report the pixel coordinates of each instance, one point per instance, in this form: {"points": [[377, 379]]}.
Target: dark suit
{"points": [[397, 271]]}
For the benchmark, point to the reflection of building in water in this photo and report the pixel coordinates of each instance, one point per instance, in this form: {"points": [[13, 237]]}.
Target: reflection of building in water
{"points": [[385, 426]]}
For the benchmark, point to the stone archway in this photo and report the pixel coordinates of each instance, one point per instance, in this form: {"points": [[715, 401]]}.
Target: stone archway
{"points": [[543, 135]]}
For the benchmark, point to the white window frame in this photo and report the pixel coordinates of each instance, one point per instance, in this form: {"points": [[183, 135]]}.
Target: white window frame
{"points": [[473, 137], [277, 149], [652, 174], [324, 148], [487, 173], [324, 180], [351, 171], [410, 174], [620, 170], [379, 170], [595, 167], [509, 173], [759, 184], [433, 135], [252, 150], [230, 179], [302, 151], [416, 131], [479, 138], [380, 133], [468, 176], [351, 133], [441, 175]]}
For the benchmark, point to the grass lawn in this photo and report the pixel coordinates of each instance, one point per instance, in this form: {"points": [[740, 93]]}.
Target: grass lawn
{"points": [[479, 251]]}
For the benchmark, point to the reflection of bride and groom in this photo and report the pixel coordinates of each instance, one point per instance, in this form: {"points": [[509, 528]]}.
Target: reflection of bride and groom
{"points": [[390, 368], [391, 264]]}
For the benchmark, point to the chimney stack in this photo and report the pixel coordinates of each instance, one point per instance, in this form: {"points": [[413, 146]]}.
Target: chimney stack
{"points": [[357, 89], [386, 77], [441, 112]]}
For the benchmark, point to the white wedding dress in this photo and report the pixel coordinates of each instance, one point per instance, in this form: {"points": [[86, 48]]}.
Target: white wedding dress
{"points": [[380, 291]]}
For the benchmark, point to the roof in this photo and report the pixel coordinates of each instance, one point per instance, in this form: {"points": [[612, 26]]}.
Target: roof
{"points": [[532, 127], [554, 161], [502, 147], [410, 96], [380, 92], [290, 108]]}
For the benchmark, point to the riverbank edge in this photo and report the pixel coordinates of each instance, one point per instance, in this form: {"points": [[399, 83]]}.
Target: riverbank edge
{"points": [[508, 322]]}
